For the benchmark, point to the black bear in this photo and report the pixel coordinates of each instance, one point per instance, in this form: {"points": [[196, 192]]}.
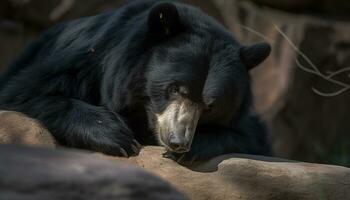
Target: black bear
{"points": [[152, 72]]}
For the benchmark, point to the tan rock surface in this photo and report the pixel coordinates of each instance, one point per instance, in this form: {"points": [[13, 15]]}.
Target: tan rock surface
{"points": [[226, 177], [16, 128], [249, 177]]}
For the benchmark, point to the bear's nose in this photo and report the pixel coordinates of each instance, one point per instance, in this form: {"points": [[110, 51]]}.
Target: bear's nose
{"points": [[177, 143]]}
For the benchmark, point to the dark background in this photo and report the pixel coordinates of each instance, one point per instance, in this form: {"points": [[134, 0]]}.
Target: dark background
{"points": [[304, 124]]}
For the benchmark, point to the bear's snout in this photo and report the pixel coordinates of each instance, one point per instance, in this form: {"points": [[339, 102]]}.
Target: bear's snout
{"points": [[178, 143], [176, 125]]}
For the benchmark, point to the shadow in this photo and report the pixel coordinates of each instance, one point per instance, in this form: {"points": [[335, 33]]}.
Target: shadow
{"points": [[211, 165]]}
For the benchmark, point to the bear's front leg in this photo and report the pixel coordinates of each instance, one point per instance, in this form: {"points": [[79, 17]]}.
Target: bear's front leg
{"points": [[103, 131], [77, 124]]}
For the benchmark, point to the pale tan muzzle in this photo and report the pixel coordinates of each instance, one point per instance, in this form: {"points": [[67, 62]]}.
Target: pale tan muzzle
{"points": [[176, 126]]}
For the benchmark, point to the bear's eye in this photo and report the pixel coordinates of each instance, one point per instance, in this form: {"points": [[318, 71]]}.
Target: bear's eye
{"points": [[174, 90], [209, 106], [178, 91]]}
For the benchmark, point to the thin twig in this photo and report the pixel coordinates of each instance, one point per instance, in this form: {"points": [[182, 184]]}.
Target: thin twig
{"points": [[314, 70], [297, 49], [338, 72], [257, 33], [331, 94], [325, 77]]}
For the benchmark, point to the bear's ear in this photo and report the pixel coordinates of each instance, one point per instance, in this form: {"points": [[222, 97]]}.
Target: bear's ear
{"points": [[164, 20], [253, 55]]}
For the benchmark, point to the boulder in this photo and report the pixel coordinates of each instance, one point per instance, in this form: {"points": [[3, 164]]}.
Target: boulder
{"points": [[231, 176], [238, 176], [332, 7], [14, 36], [294, 5], [23, 20], [28, 173], [52, 11], [305, 110], [16, 128]]}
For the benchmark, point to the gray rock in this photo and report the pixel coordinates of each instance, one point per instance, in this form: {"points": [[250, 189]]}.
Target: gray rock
{"points": [[28, 173]]}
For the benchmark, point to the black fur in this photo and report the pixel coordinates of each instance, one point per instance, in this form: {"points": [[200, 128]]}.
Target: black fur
{"points": [[97, 82]]}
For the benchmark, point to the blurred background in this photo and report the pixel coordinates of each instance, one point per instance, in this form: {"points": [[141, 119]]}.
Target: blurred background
{"points": [[303, 89]]}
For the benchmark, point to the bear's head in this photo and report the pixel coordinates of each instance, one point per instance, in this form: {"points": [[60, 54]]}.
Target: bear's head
{"points": [[197, 74]]}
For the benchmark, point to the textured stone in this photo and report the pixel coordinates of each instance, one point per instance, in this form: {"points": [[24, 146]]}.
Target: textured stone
{"points": [[249, 177], [41, 174], [335, 7], [232, 176], [16, 128]]}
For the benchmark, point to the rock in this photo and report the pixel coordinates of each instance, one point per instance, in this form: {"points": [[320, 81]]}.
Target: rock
{"points": [[52, 11], [16, 128], [23, 20], [41, 174], [288, 4], [304, 124], [13, 38], [225, 177], [335, 7], [249, 177]]}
